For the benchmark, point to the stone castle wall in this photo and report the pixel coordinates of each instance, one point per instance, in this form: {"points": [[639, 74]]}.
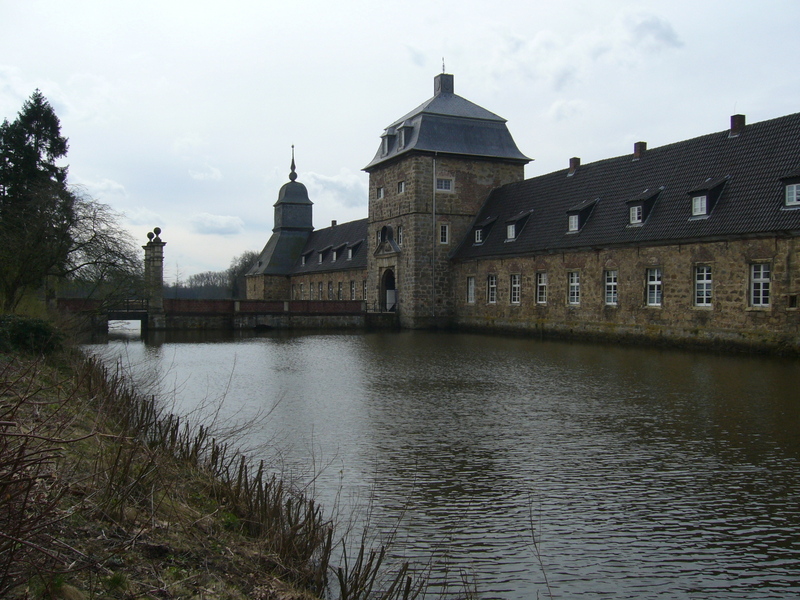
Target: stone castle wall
{"points": [[730, 320]]}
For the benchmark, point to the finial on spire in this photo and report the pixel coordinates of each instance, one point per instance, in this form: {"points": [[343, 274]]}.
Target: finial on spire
{"points": [[293, 175], [443, 71]]}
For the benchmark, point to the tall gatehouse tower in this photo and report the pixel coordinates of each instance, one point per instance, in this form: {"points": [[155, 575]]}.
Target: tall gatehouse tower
{"points": [[433, 170]]}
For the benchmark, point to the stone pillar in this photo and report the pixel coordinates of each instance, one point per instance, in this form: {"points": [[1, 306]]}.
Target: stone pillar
{"points": [[154, 278]]}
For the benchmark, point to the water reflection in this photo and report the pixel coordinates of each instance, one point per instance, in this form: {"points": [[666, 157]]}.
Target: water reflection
{"points": [[642, 473]]}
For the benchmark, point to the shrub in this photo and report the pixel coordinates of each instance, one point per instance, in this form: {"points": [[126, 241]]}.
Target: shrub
{"points": [[31, 336]]}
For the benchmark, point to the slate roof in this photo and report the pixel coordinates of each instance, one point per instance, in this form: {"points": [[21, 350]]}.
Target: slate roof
{"points": [[750, 168], [449, 124], [340, 238]]}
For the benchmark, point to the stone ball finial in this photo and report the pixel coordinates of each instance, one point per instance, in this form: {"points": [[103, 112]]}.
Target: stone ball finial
{"points": [[150, 235], [157, 230]]}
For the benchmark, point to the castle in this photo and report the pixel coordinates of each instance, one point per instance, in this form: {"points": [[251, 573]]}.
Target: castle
{"points": [[695, 241]]}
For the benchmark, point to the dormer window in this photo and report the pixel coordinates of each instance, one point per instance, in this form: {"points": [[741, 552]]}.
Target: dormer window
{"points": [[640, 206], [482, 228], [303, 261], [511, 231], [320, 257], [334, 256], [793, 194], [386, 141], [699, 206], [579, 214], [349, 254], [705, 196], [479, 236]]}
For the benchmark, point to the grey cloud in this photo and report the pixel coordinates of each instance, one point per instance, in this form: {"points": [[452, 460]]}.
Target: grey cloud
{"points": [[653, 33], [346, 189], [206, 223]]}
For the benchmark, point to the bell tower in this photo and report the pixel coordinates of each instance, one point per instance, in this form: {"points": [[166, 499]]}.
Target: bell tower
{"points": [[434, 168]]}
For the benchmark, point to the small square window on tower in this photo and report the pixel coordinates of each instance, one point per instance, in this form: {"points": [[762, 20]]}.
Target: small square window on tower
{"points": [[444, 233], [444, 184], [401, 187], [379, 193]]}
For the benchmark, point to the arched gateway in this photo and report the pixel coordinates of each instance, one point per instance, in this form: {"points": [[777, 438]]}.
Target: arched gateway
{"points": [[388, 291]]}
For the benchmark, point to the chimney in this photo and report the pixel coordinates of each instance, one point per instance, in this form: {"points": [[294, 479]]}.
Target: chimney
{"points": [[737, 125], [443, 84], [333, 222], [639, 148], [574, 163]]}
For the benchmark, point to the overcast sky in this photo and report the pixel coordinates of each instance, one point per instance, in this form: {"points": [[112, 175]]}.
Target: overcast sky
{"points": [[182, 114]]}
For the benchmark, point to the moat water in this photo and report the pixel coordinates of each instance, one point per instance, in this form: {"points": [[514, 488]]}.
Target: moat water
{"points": [[640, 473]]}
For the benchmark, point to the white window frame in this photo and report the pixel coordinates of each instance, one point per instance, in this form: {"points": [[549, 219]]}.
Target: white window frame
{"points": [[319, 289], [760, 274], [511, 232], [703, 286], [471, 290], [399, 235], [611, 278], [444, 233], [334, 255], [401, 187], [541, 287], [330, 290], [380, 192], [303, 261], [479, 236], [349, 254], [699, 206], [364, 289], [573, 222], [515, 288], [444, 184], [302, 291], [352, 289], [655, 290], [320, 258], [793, 194], [636, 214], [573, 288], [491, 288]]}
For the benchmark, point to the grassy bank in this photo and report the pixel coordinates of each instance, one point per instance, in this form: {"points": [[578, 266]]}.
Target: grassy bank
{"points": [[102, 495]]}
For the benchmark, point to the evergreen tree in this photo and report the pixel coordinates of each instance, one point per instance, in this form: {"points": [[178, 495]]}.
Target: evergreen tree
{"points": [[47, 228], [37, 209]]}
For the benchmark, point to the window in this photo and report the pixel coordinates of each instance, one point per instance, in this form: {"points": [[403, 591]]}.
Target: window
{"points": [[699, 206], [654, 286], [401, 187], [320, 258], [294, 292], [479, 236], [611, 278], [302, 292], [574, 287], [491, 289], [352, 290], [541, 288], [444, 184], [399, 235], [330, 290], [515, 288], [349, 254], [573, 222], [334, 256], [511, 231], [339, 291], [470, 290], [702, 286], [319, 289], [364, 289], [636, 214], [303, 261], [793, 194], [444, 233], [379, 192], [759, 285]]}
